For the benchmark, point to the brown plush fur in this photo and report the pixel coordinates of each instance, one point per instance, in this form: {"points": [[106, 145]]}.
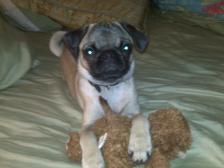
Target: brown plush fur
{"points": [[170, 135]]}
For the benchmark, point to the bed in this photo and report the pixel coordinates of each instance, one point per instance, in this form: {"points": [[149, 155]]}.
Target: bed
{"points": [[182, 68]]}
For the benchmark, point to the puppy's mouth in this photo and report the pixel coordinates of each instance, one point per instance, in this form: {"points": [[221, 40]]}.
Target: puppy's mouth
{"points": [[110, 67], [111, 75]]}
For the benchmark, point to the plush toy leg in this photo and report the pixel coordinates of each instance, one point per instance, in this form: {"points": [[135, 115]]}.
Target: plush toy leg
{"points": [[73, 147]]}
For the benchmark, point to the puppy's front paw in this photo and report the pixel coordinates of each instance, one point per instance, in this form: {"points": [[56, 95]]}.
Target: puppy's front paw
{"points": [[93, 160], [140, 146]]}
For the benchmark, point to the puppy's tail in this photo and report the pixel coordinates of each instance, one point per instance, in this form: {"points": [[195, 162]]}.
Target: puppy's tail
{"points": [[56, 44]]}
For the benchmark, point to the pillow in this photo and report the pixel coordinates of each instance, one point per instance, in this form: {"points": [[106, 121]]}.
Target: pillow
{"points": [[15, 58], [77, 13]]}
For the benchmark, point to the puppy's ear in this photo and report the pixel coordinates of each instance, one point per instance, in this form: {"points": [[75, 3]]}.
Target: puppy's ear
{"points": [[73, 38], [141, 41]]}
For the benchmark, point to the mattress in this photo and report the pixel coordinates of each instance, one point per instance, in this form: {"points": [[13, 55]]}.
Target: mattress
{"points": [[182, 68]]}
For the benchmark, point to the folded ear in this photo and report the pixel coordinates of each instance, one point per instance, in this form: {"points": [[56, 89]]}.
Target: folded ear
{"points": [[73, 38], [56, 46], [141, 41]]}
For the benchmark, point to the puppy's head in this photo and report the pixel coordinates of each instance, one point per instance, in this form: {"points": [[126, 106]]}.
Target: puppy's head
{"points": [[105, 50]]}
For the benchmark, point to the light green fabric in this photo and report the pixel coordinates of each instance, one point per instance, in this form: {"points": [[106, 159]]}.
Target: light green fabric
{"points": [[183, 68], [15, 58]]}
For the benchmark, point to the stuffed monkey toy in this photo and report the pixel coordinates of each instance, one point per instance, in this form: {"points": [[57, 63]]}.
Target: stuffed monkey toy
{"points": [[170, 134]]}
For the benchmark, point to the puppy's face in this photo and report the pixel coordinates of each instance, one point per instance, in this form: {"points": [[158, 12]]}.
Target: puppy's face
{"points": [[105, 49]]}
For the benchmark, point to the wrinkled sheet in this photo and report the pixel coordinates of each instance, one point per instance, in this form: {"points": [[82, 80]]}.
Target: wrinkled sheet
{"points": [[183, 68]]}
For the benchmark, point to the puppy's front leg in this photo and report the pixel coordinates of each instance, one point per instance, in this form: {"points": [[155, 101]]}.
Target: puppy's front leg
{"points": [[91, 155], [140, 145], [92, 110]]}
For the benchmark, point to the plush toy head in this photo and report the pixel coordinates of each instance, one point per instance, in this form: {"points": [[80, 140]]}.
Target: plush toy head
{"points": [[170, 136]]}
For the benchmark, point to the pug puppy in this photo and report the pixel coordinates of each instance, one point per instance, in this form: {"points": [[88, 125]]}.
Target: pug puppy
{"points": [[98, 61]]}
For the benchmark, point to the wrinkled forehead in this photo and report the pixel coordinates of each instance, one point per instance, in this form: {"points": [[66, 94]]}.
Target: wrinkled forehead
{"points": [[106, 35]]}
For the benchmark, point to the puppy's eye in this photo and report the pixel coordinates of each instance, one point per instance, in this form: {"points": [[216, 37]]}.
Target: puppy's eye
{"points": [[126, 48], [90, 51]]}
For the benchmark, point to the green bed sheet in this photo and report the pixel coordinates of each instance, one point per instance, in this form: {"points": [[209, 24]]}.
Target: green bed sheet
{"points": [[183, 68]]}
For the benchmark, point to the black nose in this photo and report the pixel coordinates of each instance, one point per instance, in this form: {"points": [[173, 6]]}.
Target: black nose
{"points": [[110, 61]]}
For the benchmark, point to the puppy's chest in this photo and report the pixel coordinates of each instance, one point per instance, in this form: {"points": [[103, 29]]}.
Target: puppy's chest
{"points": [[116, 96]]}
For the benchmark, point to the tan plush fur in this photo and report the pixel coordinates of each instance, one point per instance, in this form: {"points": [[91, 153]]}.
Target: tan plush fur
{"points": [[170, 135]]}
